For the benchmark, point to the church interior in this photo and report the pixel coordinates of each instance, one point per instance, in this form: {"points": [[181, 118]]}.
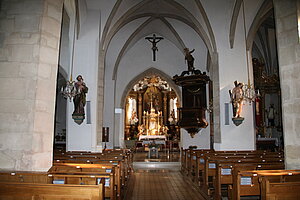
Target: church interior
{"points": [[149, 99]]}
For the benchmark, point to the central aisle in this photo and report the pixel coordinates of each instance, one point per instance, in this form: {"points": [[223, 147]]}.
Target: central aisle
{"points": [[160, 180]]}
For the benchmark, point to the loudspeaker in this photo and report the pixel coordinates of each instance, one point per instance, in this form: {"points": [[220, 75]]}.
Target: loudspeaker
{"points": [[105, 134]]}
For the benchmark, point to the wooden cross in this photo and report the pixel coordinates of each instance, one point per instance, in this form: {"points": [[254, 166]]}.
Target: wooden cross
{"points": [[154, 40]]}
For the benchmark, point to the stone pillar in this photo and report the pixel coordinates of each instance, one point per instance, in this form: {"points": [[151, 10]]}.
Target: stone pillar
{"points": [[29, 47], [289, 70], [100, 100], [216, 98], [140, 107]]}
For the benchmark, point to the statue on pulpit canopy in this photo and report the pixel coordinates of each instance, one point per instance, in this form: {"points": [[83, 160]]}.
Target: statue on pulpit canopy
{"points": [[189, 58]]}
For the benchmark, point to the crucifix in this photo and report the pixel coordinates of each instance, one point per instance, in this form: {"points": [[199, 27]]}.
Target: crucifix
{"points": [[154, 40]]}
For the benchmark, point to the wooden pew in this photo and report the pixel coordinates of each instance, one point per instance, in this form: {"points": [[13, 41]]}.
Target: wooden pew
{"points": [[24, 177], [29, 191], [125, 155], [74, 174], [189, 160], [247, 183], [210, 166], [122, 172], [122, 154], [200, 162], [183, 160], [224, 174], [201, 166], [116, 157], [287, 190]]}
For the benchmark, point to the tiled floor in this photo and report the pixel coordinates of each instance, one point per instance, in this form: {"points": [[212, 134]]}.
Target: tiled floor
{"points": [[161, 185], [161, 181], [163, 156]]}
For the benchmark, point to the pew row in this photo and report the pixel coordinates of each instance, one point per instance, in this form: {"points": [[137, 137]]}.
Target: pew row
{"points": [[37, 191], [88, 174], [212, 170], [262, 183]]}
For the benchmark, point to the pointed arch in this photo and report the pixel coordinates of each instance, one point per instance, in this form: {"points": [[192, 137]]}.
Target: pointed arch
{"points": [[135, 33], [235, 14], [261, 16]]}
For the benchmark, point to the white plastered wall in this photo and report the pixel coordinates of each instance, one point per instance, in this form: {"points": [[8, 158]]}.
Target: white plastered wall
{"points": [[83, 137], [232, 66]]}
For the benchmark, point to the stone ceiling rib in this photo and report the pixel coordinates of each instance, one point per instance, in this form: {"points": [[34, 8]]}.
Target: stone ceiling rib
{"points": [[109, 20], [123, 50], [235, 14], [206, 20], [125, 16], [198, 29], [179, 43], [191, 20], [185, 16], [263, 13], [146, 9], [118, 26]]}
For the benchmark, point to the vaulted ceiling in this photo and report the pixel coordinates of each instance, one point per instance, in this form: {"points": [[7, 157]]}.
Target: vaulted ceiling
{"points": [[125, 22]]}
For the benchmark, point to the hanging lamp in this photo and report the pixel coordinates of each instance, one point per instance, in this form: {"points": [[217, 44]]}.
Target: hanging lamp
{"points": [[70, 90]]}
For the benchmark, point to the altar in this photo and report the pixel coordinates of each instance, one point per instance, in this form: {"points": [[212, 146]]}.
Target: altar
{"points": [[153, 137], [152, 127], [151, 111]]}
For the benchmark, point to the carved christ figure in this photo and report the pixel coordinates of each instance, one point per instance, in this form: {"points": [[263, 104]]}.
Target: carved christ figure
{"points": [[154, 40]]}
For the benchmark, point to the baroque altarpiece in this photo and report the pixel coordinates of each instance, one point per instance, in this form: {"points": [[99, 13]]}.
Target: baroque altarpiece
{"points": [[151, 110]]}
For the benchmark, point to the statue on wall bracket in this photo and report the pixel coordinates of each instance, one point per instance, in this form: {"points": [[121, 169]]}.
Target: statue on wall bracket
{"points": [[79, 100], [237, 98]]}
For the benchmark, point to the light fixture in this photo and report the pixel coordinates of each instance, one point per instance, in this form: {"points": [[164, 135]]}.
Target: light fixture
{"points": [[70, 90], [250, 93]]}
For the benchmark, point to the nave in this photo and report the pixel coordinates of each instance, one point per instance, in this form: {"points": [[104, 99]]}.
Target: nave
{"points": [[118, 174], [159, 179], [160, 185]]}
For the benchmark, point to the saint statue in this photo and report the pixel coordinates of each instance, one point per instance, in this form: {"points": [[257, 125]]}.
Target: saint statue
{"points": [[189, 58], [80, 98], [237, 97]]}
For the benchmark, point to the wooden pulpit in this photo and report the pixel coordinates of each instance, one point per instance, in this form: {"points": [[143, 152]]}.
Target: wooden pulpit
{"points": [[192, 113]]}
